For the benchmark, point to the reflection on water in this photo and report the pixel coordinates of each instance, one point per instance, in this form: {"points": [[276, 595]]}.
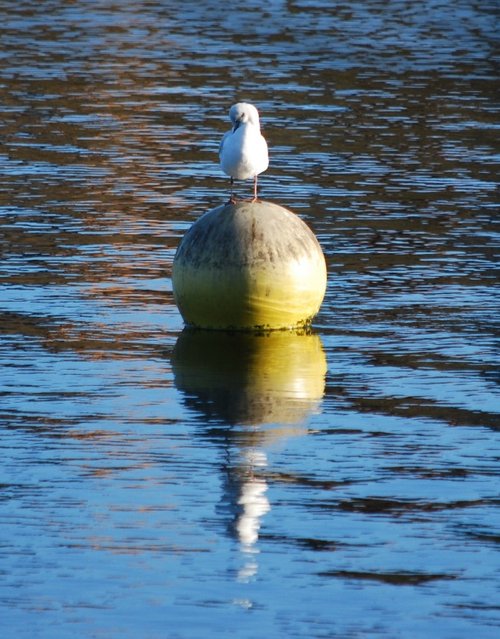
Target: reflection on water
{"points": [[253, 501], [264, 387], [339, 484], [276, 377], [254, 505]]}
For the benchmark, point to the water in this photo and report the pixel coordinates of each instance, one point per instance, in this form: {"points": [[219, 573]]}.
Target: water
{"points": [[157, 483]]}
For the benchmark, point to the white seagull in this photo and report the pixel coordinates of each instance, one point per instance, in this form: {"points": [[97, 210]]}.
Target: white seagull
{"points": [[243, 150]]}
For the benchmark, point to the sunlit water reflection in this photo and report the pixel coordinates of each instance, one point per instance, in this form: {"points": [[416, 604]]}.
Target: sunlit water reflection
{"points": [[157, 482]]}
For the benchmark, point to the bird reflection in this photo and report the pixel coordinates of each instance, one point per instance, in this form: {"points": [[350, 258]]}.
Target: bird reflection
{"points": [[254, 504], [250, 390]]}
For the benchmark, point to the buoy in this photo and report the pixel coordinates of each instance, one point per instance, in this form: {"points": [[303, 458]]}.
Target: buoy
{"points": [[248, 266]]}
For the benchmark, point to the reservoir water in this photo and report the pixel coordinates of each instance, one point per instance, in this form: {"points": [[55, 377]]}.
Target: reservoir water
{"points": [[158, 483]]}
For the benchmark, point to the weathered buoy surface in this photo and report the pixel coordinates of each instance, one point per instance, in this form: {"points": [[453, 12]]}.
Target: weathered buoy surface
{"points": [[247, 266]]}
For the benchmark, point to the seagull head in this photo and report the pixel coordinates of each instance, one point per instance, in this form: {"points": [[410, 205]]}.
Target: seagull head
{"points": [[243, 113]]}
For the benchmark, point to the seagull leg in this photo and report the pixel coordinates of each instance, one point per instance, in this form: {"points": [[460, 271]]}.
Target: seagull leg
{"points": [[254, 189], [232, 199]]}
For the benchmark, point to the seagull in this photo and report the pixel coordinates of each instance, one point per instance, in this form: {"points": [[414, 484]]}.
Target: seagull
{"points": [[243, 150]]}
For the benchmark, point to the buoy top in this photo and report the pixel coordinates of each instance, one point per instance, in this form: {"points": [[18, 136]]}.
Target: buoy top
{"points": [[248, 233]]}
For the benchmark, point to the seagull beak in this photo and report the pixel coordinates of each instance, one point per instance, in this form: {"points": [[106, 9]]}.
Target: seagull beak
{"points": [[238, 123]]}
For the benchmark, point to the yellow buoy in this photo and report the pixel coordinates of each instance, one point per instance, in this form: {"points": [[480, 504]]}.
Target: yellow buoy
{"points": [[249, 265]]}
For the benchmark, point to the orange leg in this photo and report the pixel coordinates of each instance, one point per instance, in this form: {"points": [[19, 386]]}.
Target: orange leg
{"points": [[232, 199], [254, 189]]}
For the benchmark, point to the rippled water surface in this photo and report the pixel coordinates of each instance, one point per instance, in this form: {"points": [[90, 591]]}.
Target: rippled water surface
{"points": [[160, 483]]}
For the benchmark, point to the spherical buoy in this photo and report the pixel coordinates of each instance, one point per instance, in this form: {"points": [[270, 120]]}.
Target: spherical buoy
{"points": [[247, 266]]}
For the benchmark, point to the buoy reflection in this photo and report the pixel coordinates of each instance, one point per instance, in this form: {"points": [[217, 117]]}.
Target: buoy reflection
{"points": [[252, 390], [240, 378]]}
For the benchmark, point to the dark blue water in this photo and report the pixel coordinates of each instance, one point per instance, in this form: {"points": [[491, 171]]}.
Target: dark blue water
{"points": [[159, 483]]}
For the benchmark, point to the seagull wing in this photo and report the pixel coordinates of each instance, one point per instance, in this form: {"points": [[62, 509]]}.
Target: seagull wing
{"points": [[224, 138]]}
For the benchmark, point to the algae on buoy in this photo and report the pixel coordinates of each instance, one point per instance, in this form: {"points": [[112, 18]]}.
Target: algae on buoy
{"points": [[249, 265]]}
